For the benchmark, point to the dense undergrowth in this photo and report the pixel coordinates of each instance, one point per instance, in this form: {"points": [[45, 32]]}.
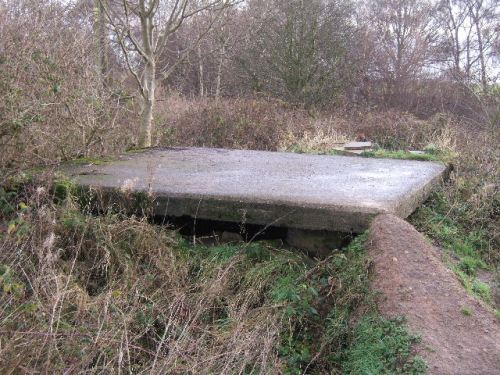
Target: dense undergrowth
{"points": [[110, 293]]}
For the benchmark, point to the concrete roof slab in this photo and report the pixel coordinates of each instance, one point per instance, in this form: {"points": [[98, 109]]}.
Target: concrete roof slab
{"points": [[319, 192]]}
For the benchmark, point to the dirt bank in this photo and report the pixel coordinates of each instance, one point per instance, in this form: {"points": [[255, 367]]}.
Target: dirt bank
{"points": [[459, 334]]}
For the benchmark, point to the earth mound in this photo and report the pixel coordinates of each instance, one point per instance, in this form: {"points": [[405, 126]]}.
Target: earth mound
{"points": [[459, 334]]}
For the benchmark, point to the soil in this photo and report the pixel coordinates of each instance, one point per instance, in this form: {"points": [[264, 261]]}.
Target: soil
{"points": [[415, 283]]}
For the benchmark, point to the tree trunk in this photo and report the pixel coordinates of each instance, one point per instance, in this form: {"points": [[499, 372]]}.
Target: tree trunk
{"points": [[482, 61], [99, 30], [146, 123], [457, 51], [148, 97], [200, 73], [468, 58], [219, 72]]}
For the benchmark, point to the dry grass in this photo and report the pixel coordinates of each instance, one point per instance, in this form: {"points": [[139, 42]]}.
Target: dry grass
{"points": [[86, 294], [115, 294], [231, 123]]}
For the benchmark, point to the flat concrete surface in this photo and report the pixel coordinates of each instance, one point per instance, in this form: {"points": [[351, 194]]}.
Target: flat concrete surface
{"points": [[358, 146], [316, 192]]}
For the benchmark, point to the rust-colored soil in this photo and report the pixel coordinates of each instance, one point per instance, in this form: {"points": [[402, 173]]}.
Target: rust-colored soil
{"points": [[415, 283]]}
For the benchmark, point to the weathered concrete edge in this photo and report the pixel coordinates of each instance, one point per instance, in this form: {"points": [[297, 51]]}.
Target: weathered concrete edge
{"points": [[280, 214], [310, 217], [419, 195], [283, 214]]}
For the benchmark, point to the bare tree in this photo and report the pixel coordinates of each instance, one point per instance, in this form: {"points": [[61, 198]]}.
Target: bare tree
{"points": [[483, 18], [297, 49], [451, 18], [142, 29], [405, 33], [469, 37]]}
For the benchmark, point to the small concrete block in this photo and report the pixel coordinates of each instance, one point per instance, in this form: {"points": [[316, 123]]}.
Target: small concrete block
{"points": [[342, 151], [358, 146], [318, 243], [230, 237]]}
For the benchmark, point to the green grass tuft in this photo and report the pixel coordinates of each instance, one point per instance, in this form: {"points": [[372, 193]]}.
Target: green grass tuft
{"points": [[402, 155], [466, 311], [382, 346], [482, 290], [89, 161]]}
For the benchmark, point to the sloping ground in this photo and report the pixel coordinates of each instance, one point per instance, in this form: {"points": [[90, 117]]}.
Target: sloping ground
{"points": [[459, 334]]}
